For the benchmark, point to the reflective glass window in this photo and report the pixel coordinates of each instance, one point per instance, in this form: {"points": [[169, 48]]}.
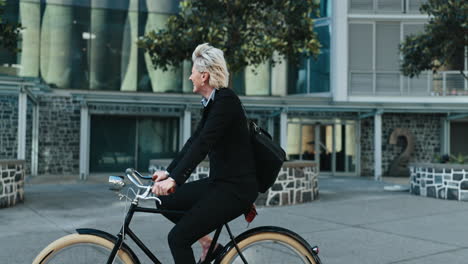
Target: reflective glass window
{"points": [[119, 142]]}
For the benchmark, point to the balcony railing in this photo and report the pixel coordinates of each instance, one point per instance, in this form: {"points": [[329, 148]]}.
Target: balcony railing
{"points": [[385, 6], [393, 83]]}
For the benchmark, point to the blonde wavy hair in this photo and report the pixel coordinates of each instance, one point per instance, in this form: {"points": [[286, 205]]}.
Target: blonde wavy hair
{"points": [[209, 59]]}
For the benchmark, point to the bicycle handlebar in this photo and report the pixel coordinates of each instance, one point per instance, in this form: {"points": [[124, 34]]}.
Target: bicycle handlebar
{"points": [[135, 177]]}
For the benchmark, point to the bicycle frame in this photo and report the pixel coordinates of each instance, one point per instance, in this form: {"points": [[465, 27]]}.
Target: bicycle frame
{"points": [[125, 230]]}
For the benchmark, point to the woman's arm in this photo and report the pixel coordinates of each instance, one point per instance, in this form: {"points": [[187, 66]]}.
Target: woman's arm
{"points": [[184, 149]]}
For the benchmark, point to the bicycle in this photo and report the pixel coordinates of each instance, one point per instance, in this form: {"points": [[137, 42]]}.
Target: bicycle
{"points": [[266, 244]]}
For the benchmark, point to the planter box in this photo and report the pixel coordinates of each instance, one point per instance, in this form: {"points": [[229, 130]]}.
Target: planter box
{"points": [[297, 182], [442, 181], [11, 182]]}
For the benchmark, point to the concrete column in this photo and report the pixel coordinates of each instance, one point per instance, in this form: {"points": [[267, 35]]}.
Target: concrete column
{"points": [[284, 130], [30, 19], [279, 78], [445, 136], [187, 127], [378, 147], [317, 145], [294, 141], [258, 82], [35, 141], [57, 45], [161, 81], [22, 111], [339, 51], [84, 142], [130, 50]]}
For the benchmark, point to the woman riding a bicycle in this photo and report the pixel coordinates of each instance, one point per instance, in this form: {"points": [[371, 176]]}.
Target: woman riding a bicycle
{"points": [[222, 134]]}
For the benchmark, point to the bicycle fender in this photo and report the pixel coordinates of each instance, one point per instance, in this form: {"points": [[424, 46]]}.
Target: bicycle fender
{"points": [[107, 236], [262, 229]]}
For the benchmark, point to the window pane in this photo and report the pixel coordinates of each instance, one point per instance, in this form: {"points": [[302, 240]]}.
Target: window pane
{"points": [[345, 145], [361, 5], [414, 5], [409, 29], [360, 47], [415, 85], [112, 147], [238, 82], [294, 148], [104, 41], [297, 77], [320, 68], [308, 142], [326, 147], [361, 83], [158, 138], [325, 8], [390, 6], [64, 47], [387, 41], [458, 132], [387, 84], [10, 15]]}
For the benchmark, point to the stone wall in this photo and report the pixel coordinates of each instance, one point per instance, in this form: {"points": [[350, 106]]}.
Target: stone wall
{"points": [[426, 129], [443, 181], [59, 135], [297, 182], [11, 182], [8, 126]]}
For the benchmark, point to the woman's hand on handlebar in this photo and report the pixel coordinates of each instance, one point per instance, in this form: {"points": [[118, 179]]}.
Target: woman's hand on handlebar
{"points": [[164, 187], [160, 175]]}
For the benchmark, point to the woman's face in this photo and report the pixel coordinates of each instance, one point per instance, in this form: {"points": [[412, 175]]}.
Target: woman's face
{"points": [[199, 80]]}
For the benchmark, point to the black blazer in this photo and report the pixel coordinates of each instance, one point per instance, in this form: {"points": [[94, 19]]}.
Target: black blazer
{"points": [[222, 134]]}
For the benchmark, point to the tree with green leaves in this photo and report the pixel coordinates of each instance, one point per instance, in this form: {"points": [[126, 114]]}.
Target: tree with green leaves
{"points": [[248, 31], [443, 43], [9, 32]]}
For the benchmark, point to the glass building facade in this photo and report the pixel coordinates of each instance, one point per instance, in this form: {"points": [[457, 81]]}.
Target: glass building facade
{"points": [[91, 45], [312, 75]]}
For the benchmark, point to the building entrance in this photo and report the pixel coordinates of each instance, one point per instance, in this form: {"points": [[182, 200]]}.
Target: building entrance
{"points": [[120, 142], [332, 144]]}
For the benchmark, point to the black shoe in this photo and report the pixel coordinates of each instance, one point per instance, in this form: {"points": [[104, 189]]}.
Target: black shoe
{"points": [[219, 248]]}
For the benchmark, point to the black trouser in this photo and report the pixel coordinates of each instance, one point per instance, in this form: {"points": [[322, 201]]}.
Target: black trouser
{"points": [[208, 205]]}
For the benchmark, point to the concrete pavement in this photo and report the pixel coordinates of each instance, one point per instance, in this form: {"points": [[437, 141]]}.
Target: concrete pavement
{"points": [[354, 221]]}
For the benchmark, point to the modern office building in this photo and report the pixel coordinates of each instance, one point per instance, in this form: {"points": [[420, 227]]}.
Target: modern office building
{"points": [[81, 98]]}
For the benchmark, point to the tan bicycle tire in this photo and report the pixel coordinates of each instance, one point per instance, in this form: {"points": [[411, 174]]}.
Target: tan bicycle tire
{"points": [[74, 239], [268, 236]]}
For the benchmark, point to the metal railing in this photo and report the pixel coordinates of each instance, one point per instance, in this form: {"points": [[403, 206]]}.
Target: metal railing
{"points": [[393, 83], [385, 6]]}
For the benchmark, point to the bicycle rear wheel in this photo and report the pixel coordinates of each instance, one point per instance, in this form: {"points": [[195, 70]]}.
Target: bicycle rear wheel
{"points": [[81, 249], [270, 245]]}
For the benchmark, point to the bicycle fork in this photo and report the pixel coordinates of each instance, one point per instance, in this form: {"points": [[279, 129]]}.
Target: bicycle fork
{"points": [[121, 235]]}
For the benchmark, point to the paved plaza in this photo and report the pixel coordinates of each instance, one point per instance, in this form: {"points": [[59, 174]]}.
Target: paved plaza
{"points": [[355, 221]]}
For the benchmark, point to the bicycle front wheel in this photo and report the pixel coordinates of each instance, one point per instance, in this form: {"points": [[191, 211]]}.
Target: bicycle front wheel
{"points": [[270, 245], [81, 249]]}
